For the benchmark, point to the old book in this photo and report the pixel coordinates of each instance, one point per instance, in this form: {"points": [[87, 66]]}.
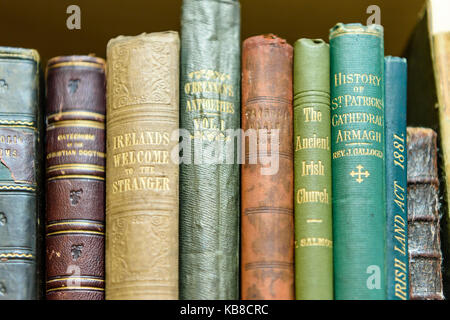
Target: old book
{"points": [[357, 142], [425, 258], [141, 176], [267, 214], [20, 178], [428, 55], [313, 218], [397, 275], [75, 167], [210, 122]]}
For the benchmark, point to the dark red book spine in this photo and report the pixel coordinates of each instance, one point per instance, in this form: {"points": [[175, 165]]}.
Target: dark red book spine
{"points": [[75, 172]]}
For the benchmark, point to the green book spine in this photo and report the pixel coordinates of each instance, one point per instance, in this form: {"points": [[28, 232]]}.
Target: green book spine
{"points": [[312, 159], [358, 161], [209, 120]]}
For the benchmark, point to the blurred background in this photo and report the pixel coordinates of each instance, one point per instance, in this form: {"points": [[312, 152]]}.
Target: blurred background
{"points": [[41, 24]]}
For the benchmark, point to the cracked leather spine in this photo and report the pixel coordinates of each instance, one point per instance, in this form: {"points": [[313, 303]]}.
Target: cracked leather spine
{"points": [[209, 117], [141, 173], [267, 213], [424, 215], [75, 178], [20, 154], [358, 160]]}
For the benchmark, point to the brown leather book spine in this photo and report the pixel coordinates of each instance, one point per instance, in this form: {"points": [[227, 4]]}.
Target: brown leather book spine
{"points": [[75, 172], [267, 234], [424, 242]]}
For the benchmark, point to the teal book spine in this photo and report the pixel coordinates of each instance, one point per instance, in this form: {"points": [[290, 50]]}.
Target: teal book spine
{"points": [[358, 161], [397, 271], [209, 122]]}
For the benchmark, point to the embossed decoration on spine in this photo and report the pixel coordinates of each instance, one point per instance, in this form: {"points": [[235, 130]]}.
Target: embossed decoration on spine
{"points": [[75, 172], [141, 179], [20, 157], [267, 217]]}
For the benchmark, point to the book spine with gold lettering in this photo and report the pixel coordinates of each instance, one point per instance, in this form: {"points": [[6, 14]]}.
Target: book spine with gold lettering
{"points": [[358, 161], [396, 180], [312, 156], [20, 177], [75, 171], [209, 170], [141, 174]]}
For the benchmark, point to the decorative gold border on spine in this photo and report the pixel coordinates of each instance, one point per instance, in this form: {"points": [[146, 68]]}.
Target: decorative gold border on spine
{"points": [[18, 122], [75, 288], [77, 64], [82, 113], [356, 33], [76, 176], [76, 166], [77, 123], [33, 55], [74, 278], [18, 126], [357, 29], [16, 255], [76, 231], [22, 188], [86, 223]]}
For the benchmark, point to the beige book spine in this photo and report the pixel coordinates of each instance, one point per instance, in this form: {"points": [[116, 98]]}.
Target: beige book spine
{"points": [[141, 178]]}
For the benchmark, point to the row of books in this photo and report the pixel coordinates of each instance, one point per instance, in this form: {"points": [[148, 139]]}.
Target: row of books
{"points": [[286, 172]]}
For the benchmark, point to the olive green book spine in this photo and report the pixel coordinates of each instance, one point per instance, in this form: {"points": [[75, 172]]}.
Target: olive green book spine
{"points": [[312, 167], [209, 122]]}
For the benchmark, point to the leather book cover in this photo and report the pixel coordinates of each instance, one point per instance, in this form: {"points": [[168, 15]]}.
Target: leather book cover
{"points": [[210, 123], [141, 174], [312, 194], [396, 179], [75, 174], [267, 213], [20, 185], [425, 257], [358, 160], [20, 178]]}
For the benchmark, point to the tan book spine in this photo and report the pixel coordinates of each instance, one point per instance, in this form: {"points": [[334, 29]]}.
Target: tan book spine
{"points": [[141, 178]]}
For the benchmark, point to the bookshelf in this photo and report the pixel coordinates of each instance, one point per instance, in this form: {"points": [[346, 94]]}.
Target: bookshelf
{"points": [[41, 24]]}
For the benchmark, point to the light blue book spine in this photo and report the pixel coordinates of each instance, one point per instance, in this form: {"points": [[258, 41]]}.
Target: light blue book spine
{"points": [[397, 271]]}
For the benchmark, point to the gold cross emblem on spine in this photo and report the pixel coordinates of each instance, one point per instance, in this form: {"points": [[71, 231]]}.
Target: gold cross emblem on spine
{"points": [[359, 174]]}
